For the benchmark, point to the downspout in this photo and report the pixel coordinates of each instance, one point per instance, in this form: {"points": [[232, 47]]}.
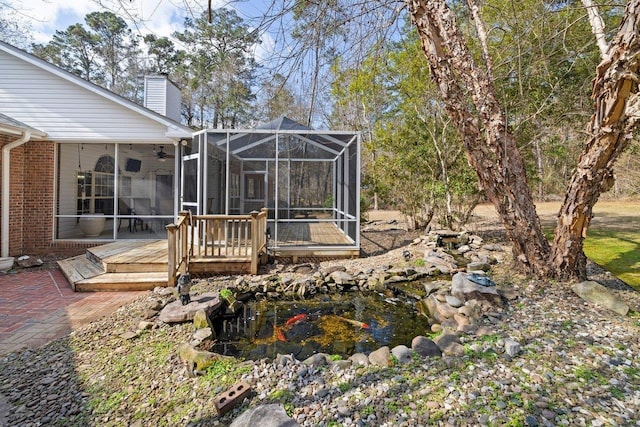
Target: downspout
{"points": [[6, 165]]}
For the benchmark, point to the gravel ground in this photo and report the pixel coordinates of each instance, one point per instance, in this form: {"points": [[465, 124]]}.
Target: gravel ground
{"points": [[578, 366]]}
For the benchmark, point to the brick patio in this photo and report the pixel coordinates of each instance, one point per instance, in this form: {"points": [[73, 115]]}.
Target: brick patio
{"points": [[39, 306]]}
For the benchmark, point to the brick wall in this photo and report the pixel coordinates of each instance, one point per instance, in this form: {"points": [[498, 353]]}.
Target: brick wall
{"points": [[38, 195], [32, 196]]}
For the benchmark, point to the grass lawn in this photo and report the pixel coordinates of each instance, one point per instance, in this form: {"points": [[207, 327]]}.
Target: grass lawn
{"points": [[613, 238], [617, 251]]}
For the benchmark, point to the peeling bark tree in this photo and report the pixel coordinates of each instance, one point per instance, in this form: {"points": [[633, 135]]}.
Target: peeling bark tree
{"points": [[470, 99], [617, 110], [471, 102]]}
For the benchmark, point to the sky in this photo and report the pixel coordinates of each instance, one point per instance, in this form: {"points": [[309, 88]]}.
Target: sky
{"points": [[161, 17]]}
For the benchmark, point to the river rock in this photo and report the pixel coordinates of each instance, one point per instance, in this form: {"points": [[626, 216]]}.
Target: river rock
{"points": [[272, 415], [425, 347], [342, 278], [478, 266], [402, 353], [450, 345], [318, 359], [175, 312], [28, 261], [359, 359], [595, 293], [453, 301], [380, 357]]}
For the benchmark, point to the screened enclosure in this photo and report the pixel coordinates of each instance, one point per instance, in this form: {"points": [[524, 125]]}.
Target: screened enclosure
{"points": [[308, 180]]}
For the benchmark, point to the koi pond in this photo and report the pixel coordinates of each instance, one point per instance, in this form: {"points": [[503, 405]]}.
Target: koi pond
{"points": [[341, 324]]}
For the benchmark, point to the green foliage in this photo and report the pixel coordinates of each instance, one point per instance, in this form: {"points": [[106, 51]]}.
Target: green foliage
{"points": [[343, 387], [225, 372], [412, 155], [221, 70]]}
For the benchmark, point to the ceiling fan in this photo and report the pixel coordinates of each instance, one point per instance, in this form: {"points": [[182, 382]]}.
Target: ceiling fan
{"points": [[162, 155]]}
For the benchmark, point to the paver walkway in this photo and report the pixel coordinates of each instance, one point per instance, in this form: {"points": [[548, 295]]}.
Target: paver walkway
{"points": [[37, 307]]}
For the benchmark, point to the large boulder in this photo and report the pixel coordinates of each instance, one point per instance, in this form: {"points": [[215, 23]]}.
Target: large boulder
{"points": [[272, 415], [595, 293], [463, 288], [175, 312]]}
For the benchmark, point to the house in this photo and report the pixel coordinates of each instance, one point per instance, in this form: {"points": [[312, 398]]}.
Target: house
{"points": [[80, 164]]}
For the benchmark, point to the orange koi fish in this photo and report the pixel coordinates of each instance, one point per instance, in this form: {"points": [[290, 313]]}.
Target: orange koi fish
{"points": [[295, 319], [361, 325], [279, 334]]}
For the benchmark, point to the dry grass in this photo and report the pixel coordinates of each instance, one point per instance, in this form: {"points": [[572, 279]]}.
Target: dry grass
{"points": [[613, 240]]}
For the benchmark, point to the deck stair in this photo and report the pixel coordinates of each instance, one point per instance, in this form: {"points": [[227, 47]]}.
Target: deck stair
{"points": [[119, 266]]}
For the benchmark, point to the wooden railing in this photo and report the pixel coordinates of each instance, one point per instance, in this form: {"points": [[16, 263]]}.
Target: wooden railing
{"points": [[216, 238]]}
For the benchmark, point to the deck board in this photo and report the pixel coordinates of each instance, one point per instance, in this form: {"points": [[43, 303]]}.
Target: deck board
{"points": [[311, 234]]}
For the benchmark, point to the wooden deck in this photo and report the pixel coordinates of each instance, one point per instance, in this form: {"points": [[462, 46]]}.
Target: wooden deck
{"points": [[143, 264], [313, 239], [311, 234]]}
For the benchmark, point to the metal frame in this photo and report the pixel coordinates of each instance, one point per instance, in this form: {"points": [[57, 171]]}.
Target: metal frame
{"points": [[338, 147]]}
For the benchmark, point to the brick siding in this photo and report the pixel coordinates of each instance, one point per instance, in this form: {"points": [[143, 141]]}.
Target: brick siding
{"points": [[32, 196]]}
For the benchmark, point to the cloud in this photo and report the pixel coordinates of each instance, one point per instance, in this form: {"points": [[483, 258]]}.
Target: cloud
{"points": [[161, 17]]}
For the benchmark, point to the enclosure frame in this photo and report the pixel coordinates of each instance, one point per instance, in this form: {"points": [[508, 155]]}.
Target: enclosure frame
{"points": [[240, 170]]}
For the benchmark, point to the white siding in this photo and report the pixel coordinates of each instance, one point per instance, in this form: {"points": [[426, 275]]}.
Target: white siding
{"points": [[67, 111], [162, 96]]}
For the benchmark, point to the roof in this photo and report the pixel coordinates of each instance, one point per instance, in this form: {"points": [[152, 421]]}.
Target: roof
{"points": [[11, 125], [175, 129], [283, 123], [295, 140]]}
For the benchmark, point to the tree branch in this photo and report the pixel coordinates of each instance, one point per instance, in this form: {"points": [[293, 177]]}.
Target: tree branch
{"points": [[597, 26]]}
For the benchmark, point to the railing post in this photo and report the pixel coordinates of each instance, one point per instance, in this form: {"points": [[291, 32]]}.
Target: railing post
{"points": [[255, 244], [171, 246]]}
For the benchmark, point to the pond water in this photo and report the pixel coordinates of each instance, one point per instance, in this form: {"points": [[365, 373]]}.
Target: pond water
{"points": [[341, 324]]}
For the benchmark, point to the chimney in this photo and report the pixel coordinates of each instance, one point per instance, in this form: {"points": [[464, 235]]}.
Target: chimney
{"points": [[162, 96]]}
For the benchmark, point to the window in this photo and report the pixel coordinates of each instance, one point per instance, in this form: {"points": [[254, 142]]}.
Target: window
{"points": [[95, 189]]}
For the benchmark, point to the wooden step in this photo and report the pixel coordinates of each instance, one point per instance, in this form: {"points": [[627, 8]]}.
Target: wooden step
{"points": [[79, 268], [131, 257], [123, 282]]}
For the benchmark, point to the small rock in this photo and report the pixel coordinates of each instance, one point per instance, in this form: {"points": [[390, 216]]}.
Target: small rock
{"points": [[143, 325], [512, 347], [128, 335]]}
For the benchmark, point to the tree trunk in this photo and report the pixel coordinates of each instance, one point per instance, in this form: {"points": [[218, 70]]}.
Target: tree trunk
{"points": [[478, 116], [617, 108]]}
